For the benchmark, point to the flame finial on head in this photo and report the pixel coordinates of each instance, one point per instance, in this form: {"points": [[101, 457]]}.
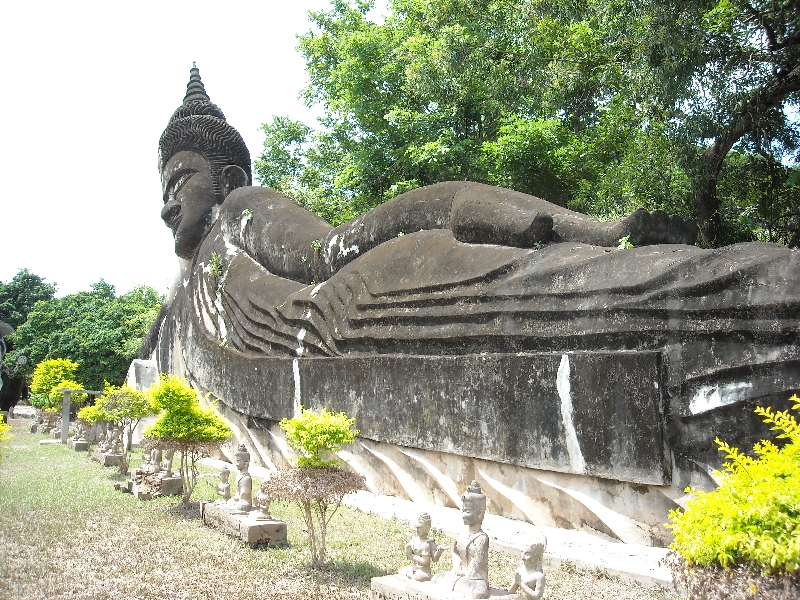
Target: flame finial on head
{"points": [[195, 90]]}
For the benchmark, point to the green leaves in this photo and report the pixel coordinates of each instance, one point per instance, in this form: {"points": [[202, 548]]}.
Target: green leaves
{"points": [[183, 419], [98, 330], [318, 435], [754, 515], [48, 377]]}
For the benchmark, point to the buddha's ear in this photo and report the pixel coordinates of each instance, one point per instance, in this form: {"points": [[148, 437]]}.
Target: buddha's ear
{"points": [[231, 178]]}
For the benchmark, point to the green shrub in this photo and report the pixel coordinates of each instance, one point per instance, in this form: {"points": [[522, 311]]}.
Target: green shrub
{"points": [[318, 435], [48, 377], [5, 435], [753, 518], [184, 426]]}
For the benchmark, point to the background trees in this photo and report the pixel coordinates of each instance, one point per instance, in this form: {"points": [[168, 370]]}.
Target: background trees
{"points": [[97, 329], [18, 296], [600, 105]]}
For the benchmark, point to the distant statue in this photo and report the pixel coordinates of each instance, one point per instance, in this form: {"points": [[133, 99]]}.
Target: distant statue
{"points": [[224, 486], [263, 502], [421, 551], [242, 502], [470, 575], [155, 459], [167, 464], [529, 578]]}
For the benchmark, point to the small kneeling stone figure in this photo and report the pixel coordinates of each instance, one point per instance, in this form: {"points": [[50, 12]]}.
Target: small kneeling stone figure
{"points": [[421, 551], [529, 578]]}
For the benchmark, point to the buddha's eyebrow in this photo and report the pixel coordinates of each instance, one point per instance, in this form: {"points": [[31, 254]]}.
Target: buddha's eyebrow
{"points": [[175, 178]]}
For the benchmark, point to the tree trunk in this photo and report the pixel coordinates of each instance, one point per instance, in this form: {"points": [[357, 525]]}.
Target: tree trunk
{"points": [[706, 174]]}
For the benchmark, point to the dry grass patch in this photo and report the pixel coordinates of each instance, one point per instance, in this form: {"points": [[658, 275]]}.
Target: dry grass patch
{"points": [[66, 533]]}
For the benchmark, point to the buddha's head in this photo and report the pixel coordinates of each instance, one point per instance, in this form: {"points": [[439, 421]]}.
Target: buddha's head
{"points": [[201, 160], [473, 505], [242, 457]]}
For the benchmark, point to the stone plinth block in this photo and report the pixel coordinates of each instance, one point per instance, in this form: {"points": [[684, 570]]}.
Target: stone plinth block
{"points": [[245, 527], [80, 445], [107, 459], [171, 486], [397, 587]]}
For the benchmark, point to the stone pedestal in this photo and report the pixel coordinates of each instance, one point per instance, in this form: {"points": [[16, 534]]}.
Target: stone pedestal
{"points": [[78, 445], [171, 486], [397, 587], [245, 527], [107, 459]]}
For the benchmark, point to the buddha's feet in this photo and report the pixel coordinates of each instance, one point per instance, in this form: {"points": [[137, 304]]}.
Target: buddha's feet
{"points": [[643, 228]]}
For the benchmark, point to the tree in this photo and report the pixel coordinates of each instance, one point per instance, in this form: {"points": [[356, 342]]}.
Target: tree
{"points": [[600, 105], [48, 377], [318, 482], [18, 296], [97, 329], [183, 426]]}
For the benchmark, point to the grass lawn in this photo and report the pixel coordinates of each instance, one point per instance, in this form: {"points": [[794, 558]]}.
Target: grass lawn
{"points": [[65, 532]]}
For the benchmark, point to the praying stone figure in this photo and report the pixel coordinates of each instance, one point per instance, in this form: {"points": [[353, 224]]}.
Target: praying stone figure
{"points": [[470, 575], [224, 486], [263, 502], [421, 551], [242, 502], [529, 578], [167, 464]]}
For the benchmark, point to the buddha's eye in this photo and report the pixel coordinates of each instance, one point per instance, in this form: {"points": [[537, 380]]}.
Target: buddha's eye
{"points": [[177, 184]]}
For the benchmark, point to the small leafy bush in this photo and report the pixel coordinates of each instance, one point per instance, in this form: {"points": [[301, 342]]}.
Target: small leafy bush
{"points": [[5, 435], [48, 377], [752, 521], [317, 484], [183, 426], [318, 435]]}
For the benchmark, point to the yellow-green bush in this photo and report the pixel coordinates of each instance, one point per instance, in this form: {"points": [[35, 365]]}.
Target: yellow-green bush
{"points": [[753, 518], [318, 435], [48, 377], [5, 435]]}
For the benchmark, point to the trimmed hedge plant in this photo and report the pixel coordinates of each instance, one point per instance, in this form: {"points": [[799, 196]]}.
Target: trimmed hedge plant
{"points": [[742, 540]]}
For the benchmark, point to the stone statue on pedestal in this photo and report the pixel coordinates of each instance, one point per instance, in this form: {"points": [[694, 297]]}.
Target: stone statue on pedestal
{"points": [[242, 502], [263, 502], [470, 575], [529, 579], [224, 486], [421, 551]]}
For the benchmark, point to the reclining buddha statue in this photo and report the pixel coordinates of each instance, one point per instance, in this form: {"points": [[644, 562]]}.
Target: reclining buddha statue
{"points": [[502, 328]]}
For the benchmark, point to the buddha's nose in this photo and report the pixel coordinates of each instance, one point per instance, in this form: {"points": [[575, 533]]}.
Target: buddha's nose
{"points": [[170, 210]]}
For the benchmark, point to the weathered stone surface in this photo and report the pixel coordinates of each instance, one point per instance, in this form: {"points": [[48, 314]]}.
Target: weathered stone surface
{"points": [[397, 587], [171, 486], [247, 527]]}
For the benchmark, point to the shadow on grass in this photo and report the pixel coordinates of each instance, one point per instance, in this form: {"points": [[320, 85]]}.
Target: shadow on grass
{"points": [[351, 572]]}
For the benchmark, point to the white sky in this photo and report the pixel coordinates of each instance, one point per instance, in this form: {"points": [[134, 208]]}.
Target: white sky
{"points": [[88, 88]]}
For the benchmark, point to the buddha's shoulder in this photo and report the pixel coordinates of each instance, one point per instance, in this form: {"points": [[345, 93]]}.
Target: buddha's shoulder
{"points": [[253, 195]]}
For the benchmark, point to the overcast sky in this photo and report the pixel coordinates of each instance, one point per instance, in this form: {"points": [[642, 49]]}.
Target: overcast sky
{"points": [[88, 87]]}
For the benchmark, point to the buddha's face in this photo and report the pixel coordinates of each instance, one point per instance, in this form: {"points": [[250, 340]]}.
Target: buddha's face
{"points": [[241, 461], [471, 513], [189, 200]]}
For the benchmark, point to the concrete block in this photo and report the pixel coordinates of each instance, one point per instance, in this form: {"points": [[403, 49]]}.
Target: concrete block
{"points": [[247, 527], [171, 486]]}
